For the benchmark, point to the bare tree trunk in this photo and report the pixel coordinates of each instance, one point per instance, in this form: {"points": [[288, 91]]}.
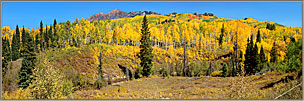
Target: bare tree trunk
{"points": [[69, 36], [166, 45], [155, 42], [127, 72], [76, 41], [95, 40], [209, 40], [186, 70], [236, 51]]}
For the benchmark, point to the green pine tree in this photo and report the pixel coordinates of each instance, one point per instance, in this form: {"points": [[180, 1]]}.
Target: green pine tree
{"points": [[41, 36], [262, 55], [22, 38], [293, 48], [262, 58], [100, 66], [225, 70], [146, 55], [50, 36], [273, 27], [256, 60], [268, 26], [28, 62], [16, 45], [37, 42], [5, 54], [274, 53], [55, 39], [258, 36], [247, 61], [18, 39], [100, 81], [46, 38], [251, 57], [294, 56], [221, 36]]}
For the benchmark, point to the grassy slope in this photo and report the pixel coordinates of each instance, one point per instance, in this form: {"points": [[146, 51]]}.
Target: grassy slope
{"points": [[204, 88]]}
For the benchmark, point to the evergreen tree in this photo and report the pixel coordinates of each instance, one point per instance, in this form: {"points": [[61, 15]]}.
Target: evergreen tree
{"points": [[15, 45], [28, 62], [274, 54], [262, 55], [100, 81], [251, 57], [251, 44], [262, 58], [5, 54], [235, 56], [46, 38], [293, 48], [225, 70], [146, 55], [221, 36], [55, 40], [37, 42], [273, 27], [22, 38], [293, 56], [268, 26], [255, 59], [51, 37], [41, 36], [18, 38], [100, 66], [247, 61], [258, 36]]}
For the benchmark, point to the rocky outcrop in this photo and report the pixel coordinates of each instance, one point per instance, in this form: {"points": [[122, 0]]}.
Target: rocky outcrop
{"points": [[116, 14], [208, 14], [140, 13]]}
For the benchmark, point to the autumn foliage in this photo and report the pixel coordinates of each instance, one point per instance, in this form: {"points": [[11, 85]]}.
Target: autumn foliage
{"points": [[83, 51]]}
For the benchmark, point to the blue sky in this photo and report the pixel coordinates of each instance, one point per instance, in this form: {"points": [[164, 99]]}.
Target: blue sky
{"points": [[30, 14]]}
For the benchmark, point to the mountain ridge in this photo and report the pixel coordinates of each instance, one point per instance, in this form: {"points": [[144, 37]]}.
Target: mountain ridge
{"points": [[116, 14]]}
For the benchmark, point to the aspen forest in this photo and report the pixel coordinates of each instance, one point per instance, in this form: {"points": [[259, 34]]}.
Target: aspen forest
{"points": [[153, 56]]}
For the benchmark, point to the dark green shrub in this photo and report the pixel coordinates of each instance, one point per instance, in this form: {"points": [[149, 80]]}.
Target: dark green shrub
{"points": [[225, 70]]}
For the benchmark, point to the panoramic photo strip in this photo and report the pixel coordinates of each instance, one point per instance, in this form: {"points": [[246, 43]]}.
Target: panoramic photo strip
{"points": [[152, 50]]}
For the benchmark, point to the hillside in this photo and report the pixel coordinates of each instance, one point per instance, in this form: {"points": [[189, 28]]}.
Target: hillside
{"points": [[88, 58]]}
